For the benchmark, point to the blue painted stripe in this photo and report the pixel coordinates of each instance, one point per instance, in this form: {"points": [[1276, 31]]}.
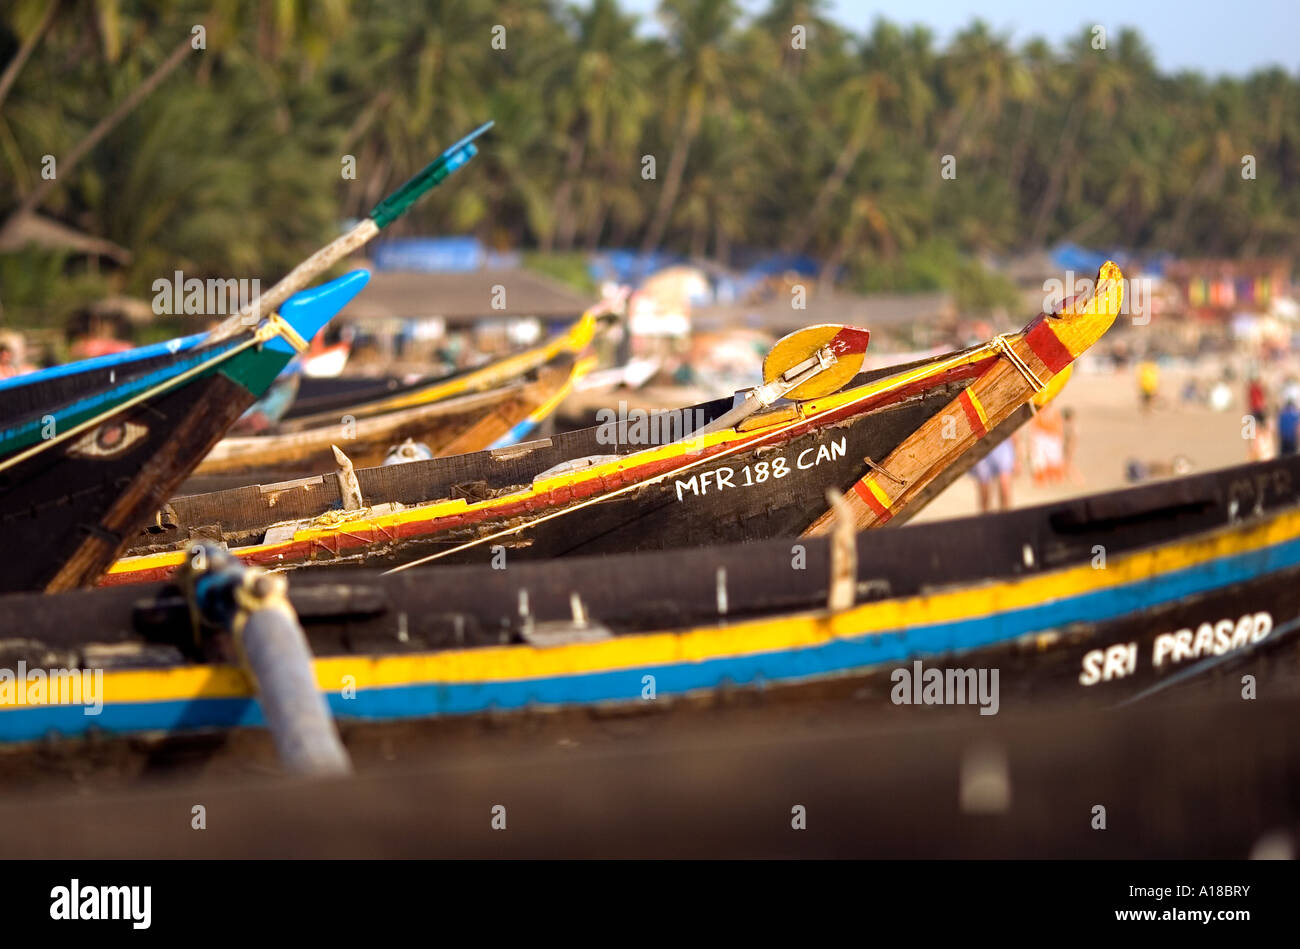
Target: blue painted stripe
{"points": [[841, 656], [516, 434], [123, 359], [307, 311], [77, 412]]}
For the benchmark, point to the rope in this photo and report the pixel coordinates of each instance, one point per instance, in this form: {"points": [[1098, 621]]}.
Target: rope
{"points": [[277, 325], [1003, 346]]}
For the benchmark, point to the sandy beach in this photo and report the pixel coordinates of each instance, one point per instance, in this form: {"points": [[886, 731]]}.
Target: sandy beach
{"points": [[1112, 429]]}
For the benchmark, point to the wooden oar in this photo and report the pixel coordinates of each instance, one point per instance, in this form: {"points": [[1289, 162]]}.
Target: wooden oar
{"points": [[806, 364], [1028, 363], [383, 214]]}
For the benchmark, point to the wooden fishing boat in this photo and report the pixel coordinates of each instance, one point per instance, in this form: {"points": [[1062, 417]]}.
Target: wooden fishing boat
{"points": [[452, 426], [86, 456], [326, 362], [712, 474], [1106, 598], [322, 401], [472, 411], [446, 501], [77, 479]]}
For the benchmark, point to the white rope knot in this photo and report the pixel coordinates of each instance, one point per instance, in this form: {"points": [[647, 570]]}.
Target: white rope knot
{"points": [[1003, 346]]}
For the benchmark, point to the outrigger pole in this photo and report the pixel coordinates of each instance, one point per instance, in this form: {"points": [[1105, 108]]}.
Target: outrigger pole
{"points": [[383, 214]]}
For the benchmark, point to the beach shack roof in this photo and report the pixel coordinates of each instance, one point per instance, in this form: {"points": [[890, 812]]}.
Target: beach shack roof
{"points": [[464, 297], [874, 311], [36, 230]]}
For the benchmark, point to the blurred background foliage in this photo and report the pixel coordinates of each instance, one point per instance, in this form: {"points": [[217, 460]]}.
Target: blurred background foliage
{"points": [[231, 166]]}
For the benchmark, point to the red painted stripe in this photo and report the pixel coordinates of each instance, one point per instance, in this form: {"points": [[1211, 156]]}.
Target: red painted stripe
{"points": [[1042, 339], [972, 416], [861, 490], [850, 339]]}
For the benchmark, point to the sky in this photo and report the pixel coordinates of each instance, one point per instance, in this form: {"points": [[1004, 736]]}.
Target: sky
{"points": [[1228, 36]]}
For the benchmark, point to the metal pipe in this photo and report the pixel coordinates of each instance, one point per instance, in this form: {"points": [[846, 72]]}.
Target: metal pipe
{"points": [[253, 607]]}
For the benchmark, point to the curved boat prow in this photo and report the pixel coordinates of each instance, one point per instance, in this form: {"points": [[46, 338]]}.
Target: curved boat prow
{"points": [[1083, 320], [309, 310]]}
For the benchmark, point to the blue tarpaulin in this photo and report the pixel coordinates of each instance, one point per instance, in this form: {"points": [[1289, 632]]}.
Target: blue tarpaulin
{"points": [[440, 254], [629, 266], [1085, 260]]}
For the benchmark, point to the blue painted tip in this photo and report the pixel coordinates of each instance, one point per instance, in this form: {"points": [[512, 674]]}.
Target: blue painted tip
{"points": [[471, 136], [458, 158], [309, 310]]}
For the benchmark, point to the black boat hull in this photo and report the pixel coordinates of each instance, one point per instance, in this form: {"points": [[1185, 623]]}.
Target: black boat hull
{"points": [[1100, 599]]}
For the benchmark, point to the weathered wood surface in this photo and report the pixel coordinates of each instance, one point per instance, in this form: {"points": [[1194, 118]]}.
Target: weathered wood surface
{"points": [[651, 515]]}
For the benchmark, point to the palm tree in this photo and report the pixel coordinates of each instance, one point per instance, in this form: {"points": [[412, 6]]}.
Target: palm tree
{"points": [[699, 32], [980, 75], [1098, 85], [110, 27], [1040, 69], [876, 79], [603, 102], [21, 12]]}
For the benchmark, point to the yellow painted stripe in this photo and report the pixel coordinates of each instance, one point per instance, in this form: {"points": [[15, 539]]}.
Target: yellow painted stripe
{"points": [[878, 493], [786, 631], [839, 399], [574, 339], [978, 406]]}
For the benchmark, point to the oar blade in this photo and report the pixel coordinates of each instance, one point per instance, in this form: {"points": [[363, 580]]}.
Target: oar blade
{"points": [[848, 343]]}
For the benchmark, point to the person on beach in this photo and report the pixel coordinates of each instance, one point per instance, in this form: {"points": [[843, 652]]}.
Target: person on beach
{"points": [[1047, 445], [1291, 390], [997, 467], [1257, 399], [1070, 445], [1288, 428], [1263, 446], [1148, 383], [7, 366]]}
